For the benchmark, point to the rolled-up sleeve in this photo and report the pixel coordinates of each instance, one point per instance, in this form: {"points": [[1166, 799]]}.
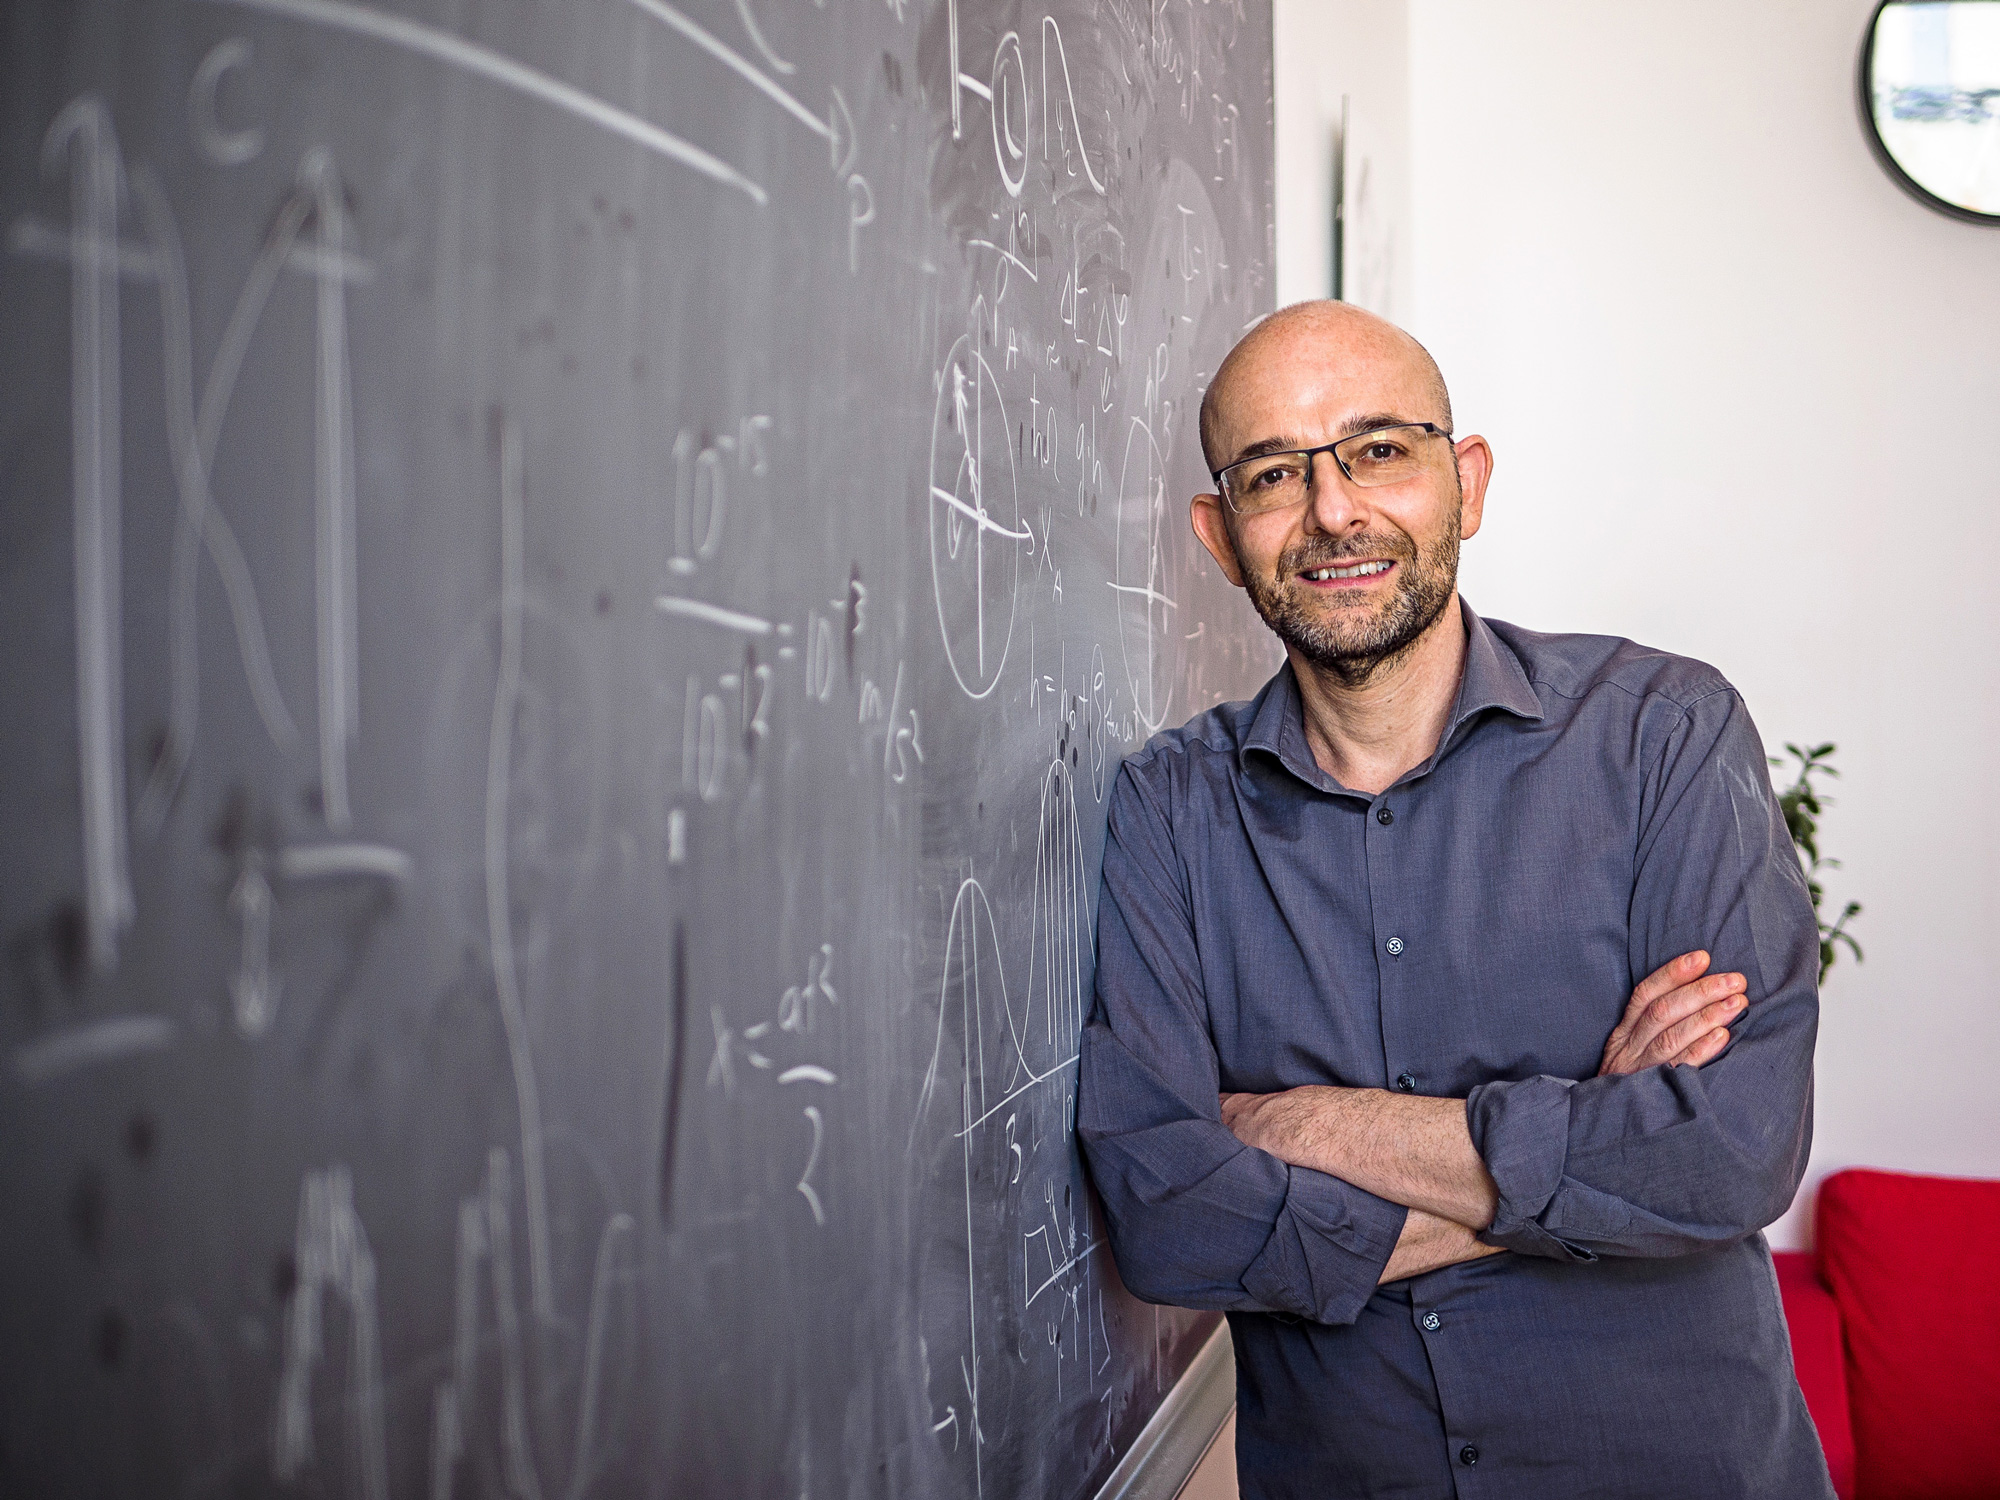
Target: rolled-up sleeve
{"points": [[1197, 1218], [1676, 1159]]}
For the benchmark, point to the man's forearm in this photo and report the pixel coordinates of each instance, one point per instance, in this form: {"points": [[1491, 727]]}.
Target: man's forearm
{"points": [[1429, 1243], [1410, 1150]]}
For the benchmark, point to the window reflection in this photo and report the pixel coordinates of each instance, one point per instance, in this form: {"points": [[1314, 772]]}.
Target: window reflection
{"points": [[1934, 91]]}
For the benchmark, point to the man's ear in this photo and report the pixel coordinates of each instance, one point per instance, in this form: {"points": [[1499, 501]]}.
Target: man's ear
{"points": [[1475, 468], [1212, 526]]}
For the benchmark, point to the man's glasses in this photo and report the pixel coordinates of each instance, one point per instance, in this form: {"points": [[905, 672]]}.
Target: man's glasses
{"points": [[1385, 455]]}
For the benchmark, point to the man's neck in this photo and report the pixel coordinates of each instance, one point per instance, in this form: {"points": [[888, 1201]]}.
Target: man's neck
{"points": [[1366, 735]]}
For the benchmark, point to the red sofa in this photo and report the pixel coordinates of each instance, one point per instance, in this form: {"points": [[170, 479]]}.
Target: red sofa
{"points": [[1895, 1321]]}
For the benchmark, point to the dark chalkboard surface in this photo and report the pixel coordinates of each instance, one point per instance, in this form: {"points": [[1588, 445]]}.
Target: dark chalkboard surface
{"points": [[573, 579]]}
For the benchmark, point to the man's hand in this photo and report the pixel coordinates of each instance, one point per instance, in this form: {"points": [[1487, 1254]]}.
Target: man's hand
{"points": [[1429, 1243], [1675, 1016]]}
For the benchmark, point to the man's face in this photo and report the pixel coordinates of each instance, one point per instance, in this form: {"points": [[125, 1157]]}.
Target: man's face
{"points": [[1354, 575]]}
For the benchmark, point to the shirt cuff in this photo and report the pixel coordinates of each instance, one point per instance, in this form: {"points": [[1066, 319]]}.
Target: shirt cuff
{"points": [[1327, 1249], [1521, 1130]]}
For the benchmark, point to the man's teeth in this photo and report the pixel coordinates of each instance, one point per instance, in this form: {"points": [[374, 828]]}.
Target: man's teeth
{"points": [[1359, 570]]}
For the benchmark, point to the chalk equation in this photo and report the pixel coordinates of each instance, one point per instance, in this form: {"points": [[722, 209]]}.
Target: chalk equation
{"points": [[606, 567]]}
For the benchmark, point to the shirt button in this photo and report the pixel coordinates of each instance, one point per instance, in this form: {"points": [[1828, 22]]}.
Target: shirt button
{"points": [[1385, 817], [1432, 1322], [1407, 1082], [1395, 946], [1468, 1455]]}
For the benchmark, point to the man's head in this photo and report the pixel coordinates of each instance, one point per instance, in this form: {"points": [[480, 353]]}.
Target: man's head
{"points": [[1309, 375]]}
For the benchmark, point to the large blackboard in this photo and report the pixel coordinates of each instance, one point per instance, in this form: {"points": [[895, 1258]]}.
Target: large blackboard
{"points": [[573, 579]]}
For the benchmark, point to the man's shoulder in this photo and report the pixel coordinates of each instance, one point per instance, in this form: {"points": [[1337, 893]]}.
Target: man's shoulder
{"points": [[1577, 666], [1219, 731]]}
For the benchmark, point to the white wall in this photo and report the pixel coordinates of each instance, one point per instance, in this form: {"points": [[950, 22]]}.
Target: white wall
{"points": [[1744, 396], [1326, 50]]}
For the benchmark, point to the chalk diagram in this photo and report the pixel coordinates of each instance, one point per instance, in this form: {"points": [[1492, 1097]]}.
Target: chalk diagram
{"points": [[1145, 610], [533, 1394], [976, 527], [1062, 957], [1014, 1133], [519, 870]]}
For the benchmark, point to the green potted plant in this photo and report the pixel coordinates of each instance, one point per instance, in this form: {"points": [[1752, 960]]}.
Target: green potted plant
{"points": [[1801, 804]]}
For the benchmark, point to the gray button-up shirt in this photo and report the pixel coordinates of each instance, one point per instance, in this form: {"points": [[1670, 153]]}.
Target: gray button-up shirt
{"points": [[1593, 809]]}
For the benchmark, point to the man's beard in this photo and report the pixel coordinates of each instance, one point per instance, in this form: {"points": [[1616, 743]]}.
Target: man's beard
{"points": [[1345, 637]]}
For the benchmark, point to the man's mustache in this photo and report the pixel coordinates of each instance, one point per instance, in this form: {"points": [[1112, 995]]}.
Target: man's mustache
{"points": [[1332, 552]]}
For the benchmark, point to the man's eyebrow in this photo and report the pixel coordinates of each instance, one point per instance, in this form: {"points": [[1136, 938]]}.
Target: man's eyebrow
{"points": [[1362, 422], [1267, 445], [1368, 421]]}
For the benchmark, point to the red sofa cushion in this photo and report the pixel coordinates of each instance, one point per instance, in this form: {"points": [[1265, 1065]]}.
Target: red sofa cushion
{"points": [[1814, 1318], [1912, 1262]]}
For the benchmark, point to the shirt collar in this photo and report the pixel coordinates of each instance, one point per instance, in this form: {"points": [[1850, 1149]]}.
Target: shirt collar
{"points": [[1492, 678]]}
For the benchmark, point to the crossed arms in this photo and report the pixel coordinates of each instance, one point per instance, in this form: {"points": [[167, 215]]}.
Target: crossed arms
{"points": [[1418, 1151]]}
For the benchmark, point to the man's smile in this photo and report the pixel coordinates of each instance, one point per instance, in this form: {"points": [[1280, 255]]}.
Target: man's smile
{"points": [[1348, 573]]}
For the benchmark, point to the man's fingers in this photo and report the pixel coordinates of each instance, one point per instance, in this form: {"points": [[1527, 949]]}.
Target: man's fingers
{"points": [[1704, 1049], [1674, 1008], [1676, 1021], [1670, 976], [1237, 1108], [1676, 973], [1678, 1039]]}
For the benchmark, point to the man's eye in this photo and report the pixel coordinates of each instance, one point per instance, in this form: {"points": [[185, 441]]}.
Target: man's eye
{"points": [[1382, 453], [1275, 475]]}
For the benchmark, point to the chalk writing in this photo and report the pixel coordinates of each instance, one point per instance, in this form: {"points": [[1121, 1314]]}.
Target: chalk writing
{"points": [[90, 1045], [332, 1254], [499, 907], [484, 62], [224, 147], [253, 987], [82, 136], [333, 516]]}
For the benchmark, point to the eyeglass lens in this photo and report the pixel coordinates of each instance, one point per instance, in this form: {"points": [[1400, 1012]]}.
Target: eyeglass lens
{"points": [[1388, 455]]}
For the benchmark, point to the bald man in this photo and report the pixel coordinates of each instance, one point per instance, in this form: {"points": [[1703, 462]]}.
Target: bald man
{"points": [[1456, 995]]}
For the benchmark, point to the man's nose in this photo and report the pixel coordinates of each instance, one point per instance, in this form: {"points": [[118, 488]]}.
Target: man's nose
{"points": [[1334, 503]]}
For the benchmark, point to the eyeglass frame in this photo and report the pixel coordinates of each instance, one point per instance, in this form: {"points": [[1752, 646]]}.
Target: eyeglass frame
{"points": [[1309, 454]]}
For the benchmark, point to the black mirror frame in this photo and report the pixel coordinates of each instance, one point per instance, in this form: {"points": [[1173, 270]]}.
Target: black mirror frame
{"points": [[1864, 94]]}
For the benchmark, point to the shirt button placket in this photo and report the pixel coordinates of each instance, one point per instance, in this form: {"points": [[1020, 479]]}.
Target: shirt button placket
{"points": [[1431, 1321], [1385, 878]]}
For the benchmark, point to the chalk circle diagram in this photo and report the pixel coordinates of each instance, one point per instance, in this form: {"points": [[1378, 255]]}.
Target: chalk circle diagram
{"points": [[976, 530], [553, 805]]}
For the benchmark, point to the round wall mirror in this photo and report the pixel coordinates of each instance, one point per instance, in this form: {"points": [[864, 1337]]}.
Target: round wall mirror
{"points": [[1930, 91]]}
